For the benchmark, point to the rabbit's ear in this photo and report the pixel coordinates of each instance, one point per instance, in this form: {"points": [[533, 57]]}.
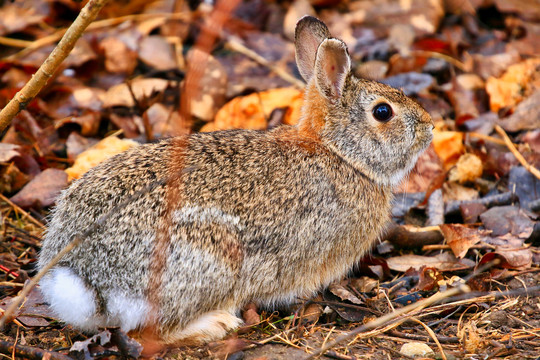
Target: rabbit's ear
{"points": [[332, 65], [309, 34]]}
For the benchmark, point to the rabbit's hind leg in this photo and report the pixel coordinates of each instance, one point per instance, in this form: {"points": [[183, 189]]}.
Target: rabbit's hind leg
{"points": [[210, 326]]}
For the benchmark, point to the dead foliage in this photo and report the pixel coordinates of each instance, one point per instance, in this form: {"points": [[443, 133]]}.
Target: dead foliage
{"points": [[474, 196]]}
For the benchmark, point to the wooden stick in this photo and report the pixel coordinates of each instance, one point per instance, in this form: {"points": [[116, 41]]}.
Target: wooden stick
{"points": [[510, 145], [51, 64]]}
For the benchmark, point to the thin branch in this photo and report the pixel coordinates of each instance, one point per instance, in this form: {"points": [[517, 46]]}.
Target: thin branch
{"points": [[510, 145], [390, 317], [49, 67], [28, 352], [22, 212], [238, 47]]}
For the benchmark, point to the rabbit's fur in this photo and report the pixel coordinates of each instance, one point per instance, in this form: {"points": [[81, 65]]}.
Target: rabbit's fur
{"points": [[246, 216]]}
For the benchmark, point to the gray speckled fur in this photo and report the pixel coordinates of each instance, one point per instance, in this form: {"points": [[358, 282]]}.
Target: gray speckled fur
{"points": [[263, 216]]}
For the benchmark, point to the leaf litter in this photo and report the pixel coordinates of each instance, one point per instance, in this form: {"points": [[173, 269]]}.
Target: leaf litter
{"points": [[468, 201]]}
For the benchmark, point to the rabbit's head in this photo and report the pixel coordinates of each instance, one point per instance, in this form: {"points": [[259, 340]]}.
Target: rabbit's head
{"points": [[373, 126]]}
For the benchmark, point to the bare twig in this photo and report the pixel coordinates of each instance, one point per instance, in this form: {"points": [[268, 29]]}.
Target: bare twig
{"points": [[21, 211], [510, 145], [235, 45], [28, 352], [390, 317], [433, 336], [49, 67]]}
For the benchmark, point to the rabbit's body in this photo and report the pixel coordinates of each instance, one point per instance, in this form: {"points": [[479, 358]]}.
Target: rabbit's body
{"points": [[255, 224], [236, 216]]}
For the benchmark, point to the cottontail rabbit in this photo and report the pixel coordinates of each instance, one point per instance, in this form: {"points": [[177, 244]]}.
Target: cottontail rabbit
{"points": [[246, 216]]}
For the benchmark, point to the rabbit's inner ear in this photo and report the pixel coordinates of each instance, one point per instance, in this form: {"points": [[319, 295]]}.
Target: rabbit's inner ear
{"points": [[331, 68], [309, 33]]}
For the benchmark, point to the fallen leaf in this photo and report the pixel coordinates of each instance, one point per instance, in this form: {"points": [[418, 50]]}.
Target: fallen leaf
{"points": [[501, 220], [252, 111], [429, 279], [468, 168], [119, 57], [344, 294], [42, 190], [514, 85], [526, 115], [212, 89], [103, 150], [120, 95], [510, 258], [158, 53], [410, 83], [76, 144], [461, 238], [8, 151], [449, 146], [442, 262]]}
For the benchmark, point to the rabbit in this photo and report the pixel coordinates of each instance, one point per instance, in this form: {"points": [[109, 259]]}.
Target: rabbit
{"points": [[245, 216]]}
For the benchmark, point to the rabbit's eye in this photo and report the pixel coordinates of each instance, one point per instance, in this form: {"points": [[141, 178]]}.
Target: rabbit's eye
{"points": [[382, 112]]}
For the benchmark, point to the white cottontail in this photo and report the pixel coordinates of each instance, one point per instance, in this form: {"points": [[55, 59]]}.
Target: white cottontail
{"points": [[245, 216]]}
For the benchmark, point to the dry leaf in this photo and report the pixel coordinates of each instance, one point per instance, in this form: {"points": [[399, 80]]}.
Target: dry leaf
{"points": [[252, 111], [461, 238], [8, 152], [42, 190], [344, 294], [515, 84], [449, 146], [468, 168], [119, 58], [103, 150], [157, 52], [120, 95]]}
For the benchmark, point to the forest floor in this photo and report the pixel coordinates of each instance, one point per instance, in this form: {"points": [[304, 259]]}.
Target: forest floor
{"points": [[467, 215]]}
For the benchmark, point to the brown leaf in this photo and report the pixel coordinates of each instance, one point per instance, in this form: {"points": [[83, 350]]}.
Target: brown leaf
{"points": [[42, 190], [468, 168], [514, 85], [12, 179], [510, 258], [427, 169], [76, 144], [8, 152], [460, 238], [212, 91], [250, 315], [429, 279], [157, 52], [442, 262], [120, 95], [526, 115], [119, 58], [344, 294], [503, 220]]}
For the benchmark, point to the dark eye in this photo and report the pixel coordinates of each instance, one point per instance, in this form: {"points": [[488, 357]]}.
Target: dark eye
{"points": [[382, 112]]}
